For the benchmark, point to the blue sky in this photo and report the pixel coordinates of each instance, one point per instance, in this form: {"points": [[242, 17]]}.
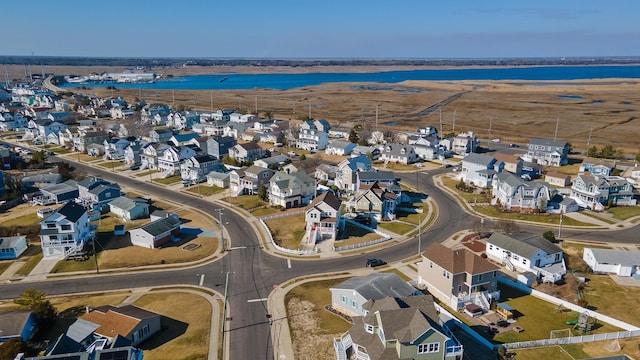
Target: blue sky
{"points": [[321, 29]]}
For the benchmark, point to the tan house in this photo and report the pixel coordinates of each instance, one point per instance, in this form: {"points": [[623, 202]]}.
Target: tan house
{"points": [[512, 163], [458, 277], [250, 151], [129, 321], [374, 200], [557, 179]]}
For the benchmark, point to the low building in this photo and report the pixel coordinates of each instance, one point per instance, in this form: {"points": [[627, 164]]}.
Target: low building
{"points": [[156, 233], [129, 321], [618, 262], [129, 209], [557, 179], [17, 324], [12, 247], [512, 193]]}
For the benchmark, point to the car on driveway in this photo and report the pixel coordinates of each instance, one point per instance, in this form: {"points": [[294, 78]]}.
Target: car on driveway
{"points": [[375, 262]]}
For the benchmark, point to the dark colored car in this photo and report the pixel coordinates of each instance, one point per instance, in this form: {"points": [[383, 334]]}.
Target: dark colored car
{"points": [[134, 167], [375, 262]]}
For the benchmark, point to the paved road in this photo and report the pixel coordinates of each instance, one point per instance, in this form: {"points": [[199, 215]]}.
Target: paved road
{"points": [[253, 272]]}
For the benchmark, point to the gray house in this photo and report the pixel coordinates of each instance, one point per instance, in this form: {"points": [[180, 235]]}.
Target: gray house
{"points": [[548, 152], [129, 209], [219, 146], [349, 296]]}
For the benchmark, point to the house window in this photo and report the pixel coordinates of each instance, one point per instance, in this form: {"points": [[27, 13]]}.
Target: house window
{"points": [[65, 227], [354, 304], [490, 247], [343, 299], [516, 257], [368, 328], [431, 264], [428, 348]]}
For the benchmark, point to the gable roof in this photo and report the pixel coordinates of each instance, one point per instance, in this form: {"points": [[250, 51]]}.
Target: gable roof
{"points": [[547, 142], [160, 226], [329, 198], [125, 203], [458, 261], [12, 322], [479, 159], [622, 257], [250, 146], [523, 244], [72, 211], [507, 158], [377, 286]]}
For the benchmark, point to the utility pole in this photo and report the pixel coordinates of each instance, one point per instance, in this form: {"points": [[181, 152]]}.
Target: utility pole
{"points": [[376, 117], [224, 313], [309, 109], [440, 111], [453, 130], [211, 100], [256, 98], [220, 213], [560, 226], [589, 140], [556, 134]]}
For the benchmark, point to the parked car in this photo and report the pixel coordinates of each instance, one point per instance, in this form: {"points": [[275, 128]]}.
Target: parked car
{"points": [[375, 262], [134, 167], [514, 145]]}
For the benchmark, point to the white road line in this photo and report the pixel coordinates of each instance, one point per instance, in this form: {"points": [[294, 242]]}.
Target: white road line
{"points": [[289, 263], [256, 300], [238, 247], [201, 279]]}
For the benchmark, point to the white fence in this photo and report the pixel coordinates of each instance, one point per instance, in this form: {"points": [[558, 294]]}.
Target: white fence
{"points": [[288, 251], [277, 216], [384, 238], [573, 339]]}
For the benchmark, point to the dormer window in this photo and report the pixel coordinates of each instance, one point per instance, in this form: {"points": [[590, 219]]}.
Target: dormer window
{"points": [[368, 328]]}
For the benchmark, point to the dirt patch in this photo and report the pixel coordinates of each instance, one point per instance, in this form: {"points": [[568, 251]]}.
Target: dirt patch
{"points": [[309, 344], [474, 242]]}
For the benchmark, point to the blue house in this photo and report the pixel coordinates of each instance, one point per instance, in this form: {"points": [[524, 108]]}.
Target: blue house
{"points": [[12, 247], [20, 324], [595, 166]]}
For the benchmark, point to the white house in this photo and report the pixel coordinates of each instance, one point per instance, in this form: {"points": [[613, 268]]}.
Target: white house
{"points": [[156, 233], [340, 147], [291, 190], [65, 232], [310, 138], [619, 262], [129, 209], [323, 218], [527, 253], [548, 152], [480, 169], [398, 153]]}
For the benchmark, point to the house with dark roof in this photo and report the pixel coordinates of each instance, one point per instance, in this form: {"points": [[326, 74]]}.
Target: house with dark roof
{"points": [[114, 148], [398, 153], [169, 159], [375, 201], [548, 152], [96, 192], [527, 253], [219, 146], [457, 277], [249, 151], [196, 168], [156, 233], [346, 176], [323, 218], [514, 194], [40, 180], [247, 181], [349, 296], [11, 247], [183, 139], [17, 324], [66, 232], [160, 134], [57, 193], [398, 328]]}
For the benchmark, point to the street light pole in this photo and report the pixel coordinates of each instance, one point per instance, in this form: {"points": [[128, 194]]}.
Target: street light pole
{"points": [[220, 212], [560, 226], [224, 314]]}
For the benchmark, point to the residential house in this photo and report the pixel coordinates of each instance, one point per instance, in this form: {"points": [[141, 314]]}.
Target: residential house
{"points": [[349, 296], [273, 162], [183, 120], [219, 146], [383, 178], [218, 179], [291, 190], [399, 328], [594, 192], [325, 172], [246, 181], [170, 158], [557, 179], [132, 153], [398, 153], [97, 193], [11, 247], [618, 262], [562, 204], [372, 152], [527, 253], [129, 209], [114, 148], [457, 277], [243, 118], [548, 152], [212, 128], [10, 121], [129, 321], [512, 163], [57, 193], [323, 218], [184, 139], [17, 324], [377, 202], [322, 125], [196, 168], [41, 129], [346, 176], [66, 232], [234, 130], [598, 167], [156, 233], [40, 180], [149, 155], [514, 194], [464, 143], [339, 147], [247, 152], [85, 138], [480, 169], [310, 138], [160, 135]]}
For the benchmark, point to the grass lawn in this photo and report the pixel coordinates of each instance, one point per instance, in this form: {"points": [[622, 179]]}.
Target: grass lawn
{"points": [[144, 173], [33, 255], [468, 197], [112, 165], [205, 190], [393, 166], [312, 327], [185, 334], [595, 216], [356, 235], [263, 211], [246, 202], [414, 218], [396, 227], [552, 219], [571, 169], [624, 212], [551, 352], [168, 181], [537, 317], [609, 298], [24, 220], [4, 265], [287, 231]]}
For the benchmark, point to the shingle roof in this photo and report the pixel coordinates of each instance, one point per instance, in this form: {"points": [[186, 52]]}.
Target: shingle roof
{"points": [[329, 198], [523, 244], [72, 211], [13, 321], [479, 159], [377, 286], [458, 261], [160, 226], [622, 257], [547, 142]]}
